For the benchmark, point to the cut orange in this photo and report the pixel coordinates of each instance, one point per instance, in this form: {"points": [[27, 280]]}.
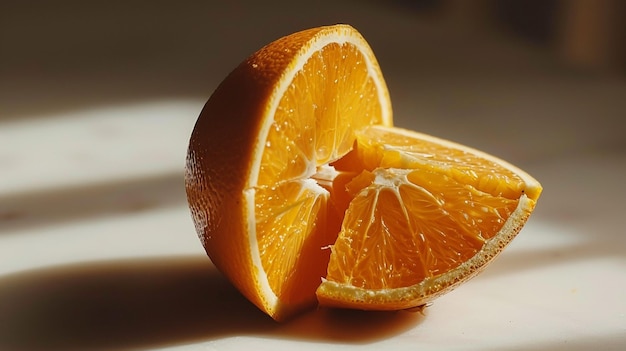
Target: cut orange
{"points": [[294, 158], [427, 214]]}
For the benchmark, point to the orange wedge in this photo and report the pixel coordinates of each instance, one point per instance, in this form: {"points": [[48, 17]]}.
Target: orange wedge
{"points": [[426, 215], [302, 191]]}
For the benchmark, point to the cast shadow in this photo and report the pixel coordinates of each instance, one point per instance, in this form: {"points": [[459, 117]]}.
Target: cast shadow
{"points": [[129, 304], [41, 208]]}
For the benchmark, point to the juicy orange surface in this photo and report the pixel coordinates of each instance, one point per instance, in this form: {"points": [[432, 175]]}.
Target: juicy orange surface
{"points": [[422, 210]]}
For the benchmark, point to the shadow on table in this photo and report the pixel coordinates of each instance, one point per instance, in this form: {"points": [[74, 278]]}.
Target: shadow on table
{"points": [[83, 202], [155, 303]]}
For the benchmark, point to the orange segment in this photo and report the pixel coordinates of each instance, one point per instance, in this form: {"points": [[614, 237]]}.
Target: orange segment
{"points": [[287, 222], [402, 149], [314, 124]]}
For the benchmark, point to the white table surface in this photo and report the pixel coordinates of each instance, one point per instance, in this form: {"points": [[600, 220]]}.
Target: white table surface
{"points": [[98, 251], [101, 253]]}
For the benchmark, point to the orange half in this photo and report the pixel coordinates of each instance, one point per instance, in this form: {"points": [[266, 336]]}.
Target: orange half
{"points": [[258, 158]]}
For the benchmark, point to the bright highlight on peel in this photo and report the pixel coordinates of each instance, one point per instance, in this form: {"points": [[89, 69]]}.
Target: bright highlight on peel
{"points": [[303, 192]]}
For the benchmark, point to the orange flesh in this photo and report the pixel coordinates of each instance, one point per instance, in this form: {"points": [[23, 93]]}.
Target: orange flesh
{"points": [[397, 211], [311, 128], [420, 210], [424, 225], [411, 153]]}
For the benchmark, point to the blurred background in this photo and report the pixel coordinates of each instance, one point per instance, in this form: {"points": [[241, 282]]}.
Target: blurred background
{"points": [[523, 67], [98, 99]]}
